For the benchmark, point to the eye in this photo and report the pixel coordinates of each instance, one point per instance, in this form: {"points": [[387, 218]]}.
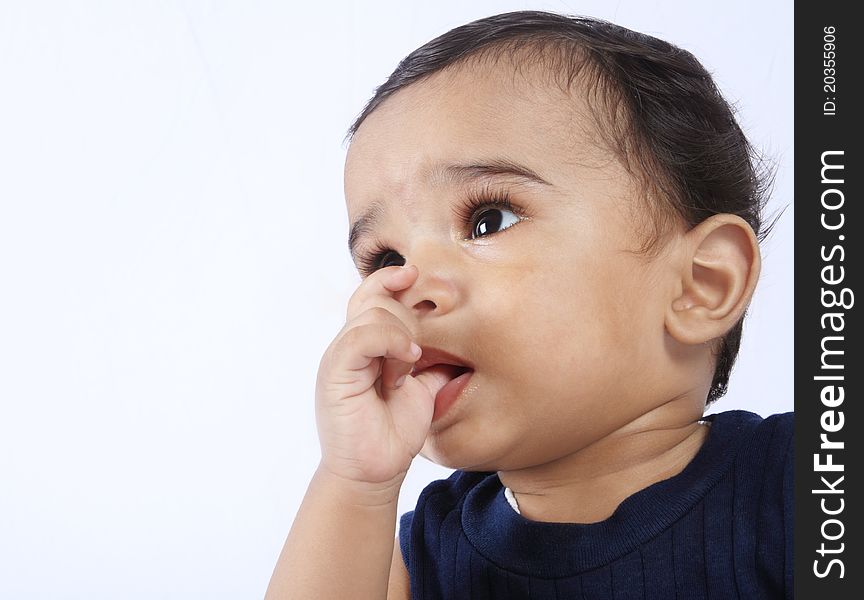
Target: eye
{"points": [[378, 258], [482, 214], [391, 258], [493, 220]]}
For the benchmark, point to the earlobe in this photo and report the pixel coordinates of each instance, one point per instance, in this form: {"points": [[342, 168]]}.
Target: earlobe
{"points": [[720, 269]]}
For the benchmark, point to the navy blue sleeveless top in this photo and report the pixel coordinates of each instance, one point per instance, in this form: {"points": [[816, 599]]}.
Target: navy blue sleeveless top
{"points": [[720, 529]]}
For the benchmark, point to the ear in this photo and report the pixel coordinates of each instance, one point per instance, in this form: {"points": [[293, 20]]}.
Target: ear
{"points": [[720, 266]]}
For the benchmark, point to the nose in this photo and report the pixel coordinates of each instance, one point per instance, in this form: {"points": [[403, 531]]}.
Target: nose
{"points": [[435, 292]]}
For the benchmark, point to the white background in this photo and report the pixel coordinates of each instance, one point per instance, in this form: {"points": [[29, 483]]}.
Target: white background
{"points": [[173, 263]]}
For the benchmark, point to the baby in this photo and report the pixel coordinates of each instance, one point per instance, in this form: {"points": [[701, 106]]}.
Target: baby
{"points": [[557, 221]]}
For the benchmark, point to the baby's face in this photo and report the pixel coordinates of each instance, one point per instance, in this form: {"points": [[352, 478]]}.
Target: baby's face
{"points": [[563, 323]]}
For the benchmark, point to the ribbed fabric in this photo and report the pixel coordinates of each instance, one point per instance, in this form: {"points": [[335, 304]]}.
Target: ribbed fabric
{"points": [[720, 529]]}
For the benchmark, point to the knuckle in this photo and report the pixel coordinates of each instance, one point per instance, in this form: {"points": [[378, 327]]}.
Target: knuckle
{"points": [[354, 305], [376, 323], [355, 334], [345, 342], [380, 313], [372, 315]]}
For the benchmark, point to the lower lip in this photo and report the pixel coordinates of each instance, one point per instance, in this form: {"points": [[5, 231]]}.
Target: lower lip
{"points": [[447, 396]]}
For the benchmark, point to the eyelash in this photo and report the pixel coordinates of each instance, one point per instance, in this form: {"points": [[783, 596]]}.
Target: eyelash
{"points": [[370, 261]]}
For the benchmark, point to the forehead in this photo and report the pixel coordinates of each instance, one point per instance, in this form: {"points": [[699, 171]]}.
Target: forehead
{"points": [[473, 114]]}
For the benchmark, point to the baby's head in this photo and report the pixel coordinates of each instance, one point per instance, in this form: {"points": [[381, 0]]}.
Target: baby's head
{"points": [[584, 212]]}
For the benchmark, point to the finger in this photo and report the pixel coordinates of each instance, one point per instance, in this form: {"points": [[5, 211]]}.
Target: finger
{"points": [[363, 344], [395, 371], [385, 309], [380, 315], [391, 369], [382, 283]]}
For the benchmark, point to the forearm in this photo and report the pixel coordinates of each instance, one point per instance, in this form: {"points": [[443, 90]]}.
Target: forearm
{"points": [[341, 543]]}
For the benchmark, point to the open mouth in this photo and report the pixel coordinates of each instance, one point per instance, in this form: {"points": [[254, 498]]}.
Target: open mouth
{"points": [[444, 374], [442, 370], [438, 375], [441, 362]]}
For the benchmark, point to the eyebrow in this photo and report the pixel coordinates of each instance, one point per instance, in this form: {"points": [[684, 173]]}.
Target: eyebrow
{"points": [[452, 174]]}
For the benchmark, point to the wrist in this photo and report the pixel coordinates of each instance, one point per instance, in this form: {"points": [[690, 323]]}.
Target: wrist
{"points": [[360, 493]]}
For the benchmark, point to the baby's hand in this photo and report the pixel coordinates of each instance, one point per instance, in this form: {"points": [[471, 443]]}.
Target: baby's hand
{"points": [[373, 417]]}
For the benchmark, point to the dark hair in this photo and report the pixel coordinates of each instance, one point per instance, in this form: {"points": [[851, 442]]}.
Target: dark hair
{"points": [[655, 105]]}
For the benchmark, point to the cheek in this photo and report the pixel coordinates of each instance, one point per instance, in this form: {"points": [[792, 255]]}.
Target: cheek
{"points": [[572, 317], [537, 315], [565, 301]]}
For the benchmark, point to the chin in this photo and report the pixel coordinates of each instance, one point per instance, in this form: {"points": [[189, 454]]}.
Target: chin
{"points": [[465, 457]]}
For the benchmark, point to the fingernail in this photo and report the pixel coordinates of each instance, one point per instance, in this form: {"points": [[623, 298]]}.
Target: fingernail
{"points": [[399, 381], [415, 350]]}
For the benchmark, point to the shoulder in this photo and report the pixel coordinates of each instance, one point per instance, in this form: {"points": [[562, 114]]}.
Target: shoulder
{"points": [[445, 495], [759, 453], [436, 502], [756, 494], [767, 448], [782, 424], [782, 432], [762, 453], [453, 489], [747, 431]]}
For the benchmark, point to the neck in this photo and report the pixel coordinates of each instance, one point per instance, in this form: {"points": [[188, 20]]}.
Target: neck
{"points": [[588, 485]]}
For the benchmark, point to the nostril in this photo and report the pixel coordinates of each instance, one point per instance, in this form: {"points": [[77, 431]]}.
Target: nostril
{"points": [[425, 306]]}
